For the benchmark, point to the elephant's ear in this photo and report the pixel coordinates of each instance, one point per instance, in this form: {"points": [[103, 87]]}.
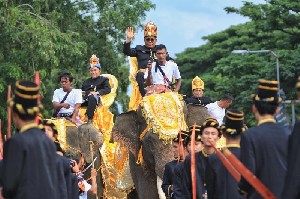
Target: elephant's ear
{"points": [[126, 131]]}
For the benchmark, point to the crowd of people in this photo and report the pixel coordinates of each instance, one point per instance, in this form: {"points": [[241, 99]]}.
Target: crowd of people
{"points": [[34, 167]]}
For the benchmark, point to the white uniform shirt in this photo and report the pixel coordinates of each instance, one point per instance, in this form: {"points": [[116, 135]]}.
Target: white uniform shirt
{"points": [[74, 97], [170, 69], [87, 187], [215, 111]]}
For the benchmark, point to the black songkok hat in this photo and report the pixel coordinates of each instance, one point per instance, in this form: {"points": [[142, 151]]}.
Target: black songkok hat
{"points": [[197, 134], [25, 100], [210, 122], [234, 123], [267, 91], [184, 134]]}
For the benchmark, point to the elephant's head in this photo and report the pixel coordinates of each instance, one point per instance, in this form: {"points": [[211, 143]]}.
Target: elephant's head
{"points": [[196, 114], [89, 136], [127, 129]]}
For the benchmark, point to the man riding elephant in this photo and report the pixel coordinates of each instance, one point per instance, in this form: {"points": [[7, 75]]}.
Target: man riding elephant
{"points": [[143, 53], [94, 87]]}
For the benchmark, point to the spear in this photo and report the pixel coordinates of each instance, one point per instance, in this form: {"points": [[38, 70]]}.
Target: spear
{"points": [[38, 82], [1, 141], [193, 163], [92, 157], [236, 175], [8, 112]]}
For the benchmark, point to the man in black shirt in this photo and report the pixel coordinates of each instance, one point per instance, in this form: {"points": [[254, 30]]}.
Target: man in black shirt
{"points": [[94, 87], [143, 53], [264, 148], [29, 164], [198, 90]]}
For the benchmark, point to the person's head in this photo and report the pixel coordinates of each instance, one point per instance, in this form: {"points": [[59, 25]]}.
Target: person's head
{"points": [[94, 67], [266, 100], [175, 144], [210, 132], [197, 87], [24, 104], [161, 53], [233, 125], [226, 100], [198, 142], [65, 79], [150, 34], [298, 88], [50, 129]]}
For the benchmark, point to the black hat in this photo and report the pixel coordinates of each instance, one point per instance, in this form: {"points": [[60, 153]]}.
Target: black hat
{"points": [[197, 134], [184, 134], [25, 100], [267, 91], [50, 123], [234, 123], [210, 122]]}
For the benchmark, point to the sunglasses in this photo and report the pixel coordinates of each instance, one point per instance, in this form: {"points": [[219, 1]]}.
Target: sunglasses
{"points": [[150, 39]]}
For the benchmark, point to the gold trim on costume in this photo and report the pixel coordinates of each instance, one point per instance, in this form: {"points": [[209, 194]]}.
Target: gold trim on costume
{"points": [[26, 96], [266, 120], [28, 126], [233, 145], [25, 88]]}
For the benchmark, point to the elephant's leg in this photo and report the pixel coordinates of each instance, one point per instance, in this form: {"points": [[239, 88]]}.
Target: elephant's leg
{"points": [[144, 180], [133, 195]]}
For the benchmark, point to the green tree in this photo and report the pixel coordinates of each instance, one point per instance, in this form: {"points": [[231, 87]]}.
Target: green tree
{"points": [[52, 36], [225, 72]]}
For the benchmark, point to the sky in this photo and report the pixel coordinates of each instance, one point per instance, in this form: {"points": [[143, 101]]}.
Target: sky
{"points": [[183, 23]]}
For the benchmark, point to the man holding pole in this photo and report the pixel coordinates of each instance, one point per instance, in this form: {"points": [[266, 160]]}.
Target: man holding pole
{"points": [[210, 134], [220, 183], [264, 147]]}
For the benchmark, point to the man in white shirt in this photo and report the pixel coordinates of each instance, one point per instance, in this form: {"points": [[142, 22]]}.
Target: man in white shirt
{"points": [[160, 73], [67, 100], [217, 109]]}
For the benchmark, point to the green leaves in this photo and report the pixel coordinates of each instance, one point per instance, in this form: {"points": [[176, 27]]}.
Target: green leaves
{"points": [[53, 36], [274, 26]]}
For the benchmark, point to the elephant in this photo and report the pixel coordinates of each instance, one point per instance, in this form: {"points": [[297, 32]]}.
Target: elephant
{"points": [[78, 141], [156, 153]]}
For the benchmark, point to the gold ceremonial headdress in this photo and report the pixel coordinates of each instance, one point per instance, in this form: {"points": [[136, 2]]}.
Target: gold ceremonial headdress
{"points": [[150, 29], [197, 83], [94, 62]]}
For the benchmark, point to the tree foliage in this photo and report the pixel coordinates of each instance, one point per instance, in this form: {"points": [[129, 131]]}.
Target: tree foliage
{"points": [[273, 26], [52, 36]]}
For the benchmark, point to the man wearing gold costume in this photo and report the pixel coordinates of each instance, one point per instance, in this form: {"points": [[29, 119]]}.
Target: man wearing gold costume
{"points": [[143, 53], [198, 90], [94, 87]]}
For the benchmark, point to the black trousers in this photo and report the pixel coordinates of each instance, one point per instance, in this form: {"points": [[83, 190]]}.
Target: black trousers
{"points": [[91, 105], [140, 80]]}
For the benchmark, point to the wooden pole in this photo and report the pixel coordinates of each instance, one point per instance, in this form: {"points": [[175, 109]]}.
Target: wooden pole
{"points": [[1, 141], [193, 163], [92, 156], [38, 82], [8, 113], [236, 175]]}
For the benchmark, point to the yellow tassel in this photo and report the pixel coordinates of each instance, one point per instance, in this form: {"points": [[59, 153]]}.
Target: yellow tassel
{"points": [[140, 158]]}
